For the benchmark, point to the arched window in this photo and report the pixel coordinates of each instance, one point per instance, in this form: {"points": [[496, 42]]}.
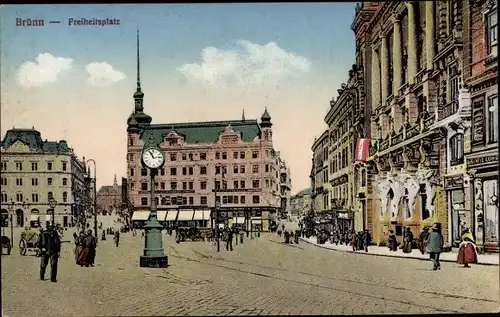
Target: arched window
{"points": [[457, 149], [65, 197]]}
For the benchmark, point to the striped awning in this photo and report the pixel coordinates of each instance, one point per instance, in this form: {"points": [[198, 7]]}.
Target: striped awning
{"points": [[171, 215], [185, 215], [201, 214], [141, 215], [161, 215]]}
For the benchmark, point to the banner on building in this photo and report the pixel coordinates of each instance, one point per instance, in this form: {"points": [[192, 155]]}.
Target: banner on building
{"points": [[362, 147]]}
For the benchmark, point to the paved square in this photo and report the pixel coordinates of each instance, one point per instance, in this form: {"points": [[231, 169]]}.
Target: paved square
{"points": [[260, 277]]}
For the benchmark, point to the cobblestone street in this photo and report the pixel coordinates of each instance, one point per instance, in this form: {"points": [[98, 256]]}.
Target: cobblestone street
{"points": [[260, 277]]}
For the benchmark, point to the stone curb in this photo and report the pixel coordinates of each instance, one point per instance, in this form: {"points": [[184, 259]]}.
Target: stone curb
{"points": [[389, 255]]}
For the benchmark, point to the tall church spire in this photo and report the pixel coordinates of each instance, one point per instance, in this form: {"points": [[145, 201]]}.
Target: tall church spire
{"points": [[138, 64], [115, 182], [138, 95], [243, 115]]}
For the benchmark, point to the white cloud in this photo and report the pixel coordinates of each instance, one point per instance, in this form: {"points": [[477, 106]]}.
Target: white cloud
{"points": [[103, 74], [250, 64], [45, 70]]}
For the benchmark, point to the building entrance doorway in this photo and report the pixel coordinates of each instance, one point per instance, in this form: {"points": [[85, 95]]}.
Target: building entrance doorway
{"points": [[19, 218]]}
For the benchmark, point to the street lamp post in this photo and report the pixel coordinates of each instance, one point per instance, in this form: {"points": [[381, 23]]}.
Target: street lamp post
{"points": [[94, 198], [217, 206], [11, 218], [53, 204]]}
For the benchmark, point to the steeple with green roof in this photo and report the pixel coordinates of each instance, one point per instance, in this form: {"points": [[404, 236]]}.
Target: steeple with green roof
{"points": [[138, 118]]}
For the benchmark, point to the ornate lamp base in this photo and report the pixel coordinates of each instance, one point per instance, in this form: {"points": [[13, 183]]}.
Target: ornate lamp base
{"points": [[153, 261]]}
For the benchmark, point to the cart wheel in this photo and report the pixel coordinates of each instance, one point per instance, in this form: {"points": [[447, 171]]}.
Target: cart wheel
{"points": [[22, 247]]}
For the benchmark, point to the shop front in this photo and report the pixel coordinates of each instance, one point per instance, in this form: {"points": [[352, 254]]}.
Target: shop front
{"points": [[458, 219], [344, 222], [483, 168]]}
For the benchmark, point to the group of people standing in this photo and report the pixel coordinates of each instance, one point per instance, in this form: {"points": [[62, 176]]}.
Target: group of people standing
{"points": [[85, 248], [431, 241]]}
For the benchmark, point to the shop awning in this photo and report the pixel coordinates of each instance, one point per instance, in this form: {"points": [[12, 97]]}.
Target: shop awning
{"points": [[206, 214], [171, 215], [161, 215], [240, 220], [142, 215], [34, 218], [257, 221], [198, 215], [185, 215]]}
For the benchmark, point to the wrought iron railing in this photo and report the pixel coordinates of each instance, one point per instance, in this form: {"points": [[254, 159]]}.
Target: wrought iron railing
{"points": [[448, 110]]}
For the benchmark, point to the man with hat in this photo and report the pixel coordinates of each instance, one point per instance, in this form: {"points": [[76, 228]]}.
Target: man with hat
{"points": [[49, 243]]}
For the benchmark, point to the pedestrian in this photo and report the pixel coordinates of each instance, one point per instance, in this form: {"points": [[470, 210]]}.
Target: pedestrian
{"points": [[229, 239], [117, 238], [354, 238], [87, 255], [435, 243], [79, 245], [287, 237], [75, 242], [407, 240], [392, 241], [50, 250], [103, 235], [367, 239], [242, 234], [467, 252], [297, 236], [422, 240]]}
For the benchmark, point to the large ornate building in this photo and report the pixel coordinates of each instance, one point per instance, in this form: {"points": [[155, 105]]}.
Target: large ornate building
{"points": [[300, 204], [109, 198], [319, 175], [231, 164], [421, 62], [35, 172], [479, 209]]}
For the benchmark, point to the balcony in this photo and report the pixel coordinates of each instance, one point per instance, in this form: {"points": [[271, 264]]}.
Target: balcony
{"points": [[448, 110]]}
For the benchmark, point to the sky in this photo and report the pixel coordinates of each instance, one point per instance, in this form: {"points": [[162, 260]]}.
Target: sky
{"points": [[199, 62]]}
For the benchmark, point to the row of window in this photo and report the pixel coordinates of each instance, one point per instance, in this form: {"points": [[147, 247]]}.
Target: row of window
{"points": [[34, 197], [34, 181], [183, 200], [340, 160], [237, 184], [203, 156], [34, 166], [219, 170]]}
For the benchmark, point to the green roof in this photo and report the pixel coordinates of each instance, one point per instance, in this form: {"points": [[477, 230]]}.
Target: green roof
{"points": [[32, 138], [104, 189], [207, 132]]}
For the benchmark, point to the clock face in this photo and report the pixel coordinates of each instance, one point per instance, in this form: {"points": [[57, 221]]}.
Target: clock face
{"points": [[153, 158]]}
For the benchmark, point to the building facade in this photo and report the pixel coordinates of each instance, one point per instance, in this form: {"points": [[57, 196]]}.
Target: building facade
{"points": [[285, 186], [109, 198], [228, 164], [413, 63], [300, 204], [35, 171], [319, 175], [479, 208]]}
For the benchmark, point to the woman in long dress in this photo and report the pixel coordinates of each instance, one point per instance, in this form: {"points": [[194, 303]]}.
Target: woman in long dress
{"points": [[79, 245], [467, 252]]}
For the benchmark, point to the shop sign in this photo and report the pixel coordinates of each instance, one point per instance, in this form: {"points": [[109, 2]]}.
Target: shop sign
{"points": [[362, 146], [343, 215], [487, 159], [453, 182]]}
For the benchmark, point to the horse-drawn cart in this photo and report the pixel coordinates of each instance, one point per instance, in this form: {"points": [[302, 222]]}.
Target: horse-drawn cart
{"points": [[192, 233], [29, 242]]}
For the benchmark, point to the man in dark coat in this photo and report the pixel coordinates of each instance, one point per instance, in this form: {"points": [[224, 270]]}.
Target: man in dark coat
{"points": [[366, 240], [435, 243], [229, 239], [50, 249]]}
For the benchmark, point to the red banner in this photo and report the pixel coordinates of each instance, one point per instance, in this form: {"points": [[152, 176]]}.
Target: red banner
{"points": [[362, 147]]}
